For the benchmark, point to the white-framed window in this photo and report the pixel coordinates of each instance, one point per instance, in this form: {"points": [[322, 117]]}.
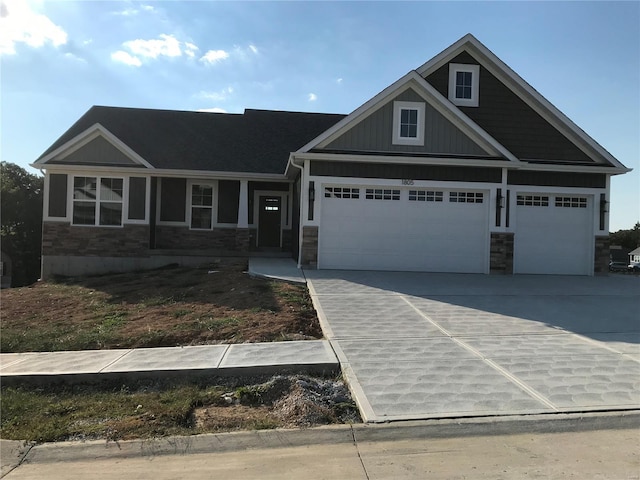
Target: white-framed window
{"points": [[408, 123], [201, 204], [97, 201], [464, 84]]}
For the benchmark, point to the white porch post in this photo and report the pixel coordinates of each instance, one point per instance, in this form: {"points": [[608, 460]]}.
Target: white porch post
{"points": [[243, 205]]}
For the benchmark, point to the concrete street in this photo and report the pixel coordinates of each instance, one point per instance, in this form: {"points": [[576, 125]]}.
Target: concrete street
{"points": [[598, 454]]}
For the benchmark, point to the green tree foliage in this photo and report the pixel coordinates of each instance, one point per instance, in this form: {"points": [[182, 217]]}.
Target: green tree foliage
{"points": [[627, 238], [21, 221]]}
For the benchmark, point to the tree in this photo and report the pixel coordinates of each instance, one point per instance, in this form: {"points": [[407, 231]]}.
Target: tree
{"points": [[21, 221], [627, 238]]}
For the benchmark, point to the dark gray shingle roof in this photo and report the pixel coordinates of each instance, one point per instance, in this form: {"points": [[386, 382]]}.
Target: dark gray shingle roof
{"points": [[255, 141]]}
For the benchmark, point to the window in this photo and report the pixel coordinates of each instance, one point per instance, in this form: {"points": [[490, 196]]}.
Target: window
{"points": [[341, 192], [466, 197], [424, 196], [464, 83], [97, 201], [533, 200], [382, 194], [408, 123], [571, 202], [201, 207]]}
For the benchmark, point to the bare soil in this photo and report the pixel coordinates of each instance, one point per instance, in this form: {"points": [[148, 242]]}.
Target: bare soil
{"points": [[163, 307]]}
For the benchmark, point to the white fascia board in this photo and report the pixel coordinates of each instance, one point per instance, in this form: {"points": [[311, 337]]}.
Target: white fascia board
{"points": [[521, 88], [157, 172], [596, 168], [85, 137], [462, 162]]}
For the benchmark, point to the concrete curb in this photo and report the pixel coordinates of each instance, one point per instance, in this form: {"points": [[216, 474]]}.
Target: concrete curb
{"points": [[334, 434]]}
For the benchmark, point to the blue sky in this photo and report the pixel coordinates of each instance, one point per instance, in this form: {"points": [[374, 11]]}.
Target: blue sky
{"points": [[58, 58]]}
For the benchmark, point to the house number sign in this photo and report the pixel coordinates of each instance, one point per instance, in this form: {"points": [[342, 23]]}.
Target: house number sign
{"points": [[407, 181]]}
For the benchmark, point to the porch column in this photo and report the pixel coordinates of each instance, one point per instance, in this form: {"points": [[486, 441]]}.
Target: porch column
{"points": [[243, 205]]}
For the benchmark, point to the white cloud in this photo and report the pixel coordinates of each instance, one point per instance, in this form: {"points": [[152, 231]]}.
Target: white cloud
{"points": [[126, 58], [135, 51], [312, 97], [129, 12], [254, 49], [339, 80], [190, 49], [218, 96], [166, 45], [20, 24], [212, 110], [214, 56]]}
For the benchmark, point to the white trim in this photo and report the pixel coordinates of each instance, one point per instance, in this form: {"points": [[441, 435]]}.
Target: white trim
{"points": [[85, 137], [405, 160], [474, 70], [397, 138], [523, 90]]}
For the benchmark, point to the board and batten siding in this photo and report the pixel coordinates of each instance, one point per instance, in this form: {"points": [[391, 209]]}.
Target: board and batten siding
{"points": [[509, 120], [374, 133], [98, 151]]}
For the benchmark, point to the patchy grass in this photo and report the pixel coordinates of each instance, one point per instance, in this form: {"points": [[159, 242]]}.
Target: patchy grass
{"points": [[161, 408], [165, 307]]}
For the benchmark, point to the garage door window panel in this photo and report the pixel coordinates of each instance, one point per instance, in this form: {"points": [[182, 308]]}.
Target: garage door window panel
{"points": [[466, 197], [571, 202], [342, 192], [425, 196], [533, 200], [382, 194]]}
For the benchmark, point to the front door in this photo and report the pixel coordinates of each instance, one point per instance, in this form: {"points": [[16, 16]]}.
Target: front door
{"points": [[269, 221]]}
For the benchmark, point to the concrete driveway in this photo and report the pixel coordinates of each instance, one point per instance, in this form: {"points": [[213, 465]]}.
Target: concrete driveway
{"points": [[421, 345]]}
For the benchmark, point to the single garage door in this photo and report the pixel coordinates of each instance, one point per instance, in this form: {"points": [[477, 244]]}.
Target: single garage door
{"points": [[372, 228], [553, 234]]}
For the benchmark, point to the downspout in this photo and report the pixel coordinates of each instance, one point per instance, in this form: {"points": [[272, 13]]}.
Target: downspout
{"points": [[299, 167]]}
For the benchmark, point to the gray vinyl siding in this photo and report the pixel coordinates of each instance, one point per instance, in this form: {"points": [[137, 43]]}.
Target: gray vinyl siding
{"points": [[510, 120], [375, 133], [557, 179], [413, 172], [97, 152], [137, 198], [228, 201], [57, 195], [173, 198]]}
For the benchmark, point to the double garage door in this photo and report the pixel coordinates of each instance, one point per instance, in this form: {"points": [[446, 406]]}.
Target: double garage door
{"points": [[373, 228], [447, 230]]}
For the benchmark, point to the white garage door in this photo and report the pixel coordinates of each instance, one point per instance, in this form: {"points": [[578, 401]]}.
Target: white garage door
{"points": [[372, 228], [553, 234]]}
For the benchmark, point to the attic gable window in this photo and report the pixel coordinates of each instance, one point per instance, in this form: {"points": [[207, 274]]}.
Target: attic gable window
{"points": [[464, 84], [408, 123]]}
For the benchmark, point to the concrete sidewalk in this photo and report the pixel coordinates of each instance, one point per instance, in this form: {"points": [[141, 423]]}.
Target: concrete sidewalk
{"points": [[309, 356]]}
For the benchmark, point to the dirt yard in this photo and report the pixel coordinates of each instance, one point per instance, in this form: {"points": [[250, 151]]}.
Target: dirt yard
{"points": [[163, 307]]}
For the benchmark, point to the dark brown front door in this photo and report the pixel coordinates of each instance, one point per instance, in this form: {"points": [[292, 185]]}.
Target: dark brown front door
{"points": [[269, 221]]}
